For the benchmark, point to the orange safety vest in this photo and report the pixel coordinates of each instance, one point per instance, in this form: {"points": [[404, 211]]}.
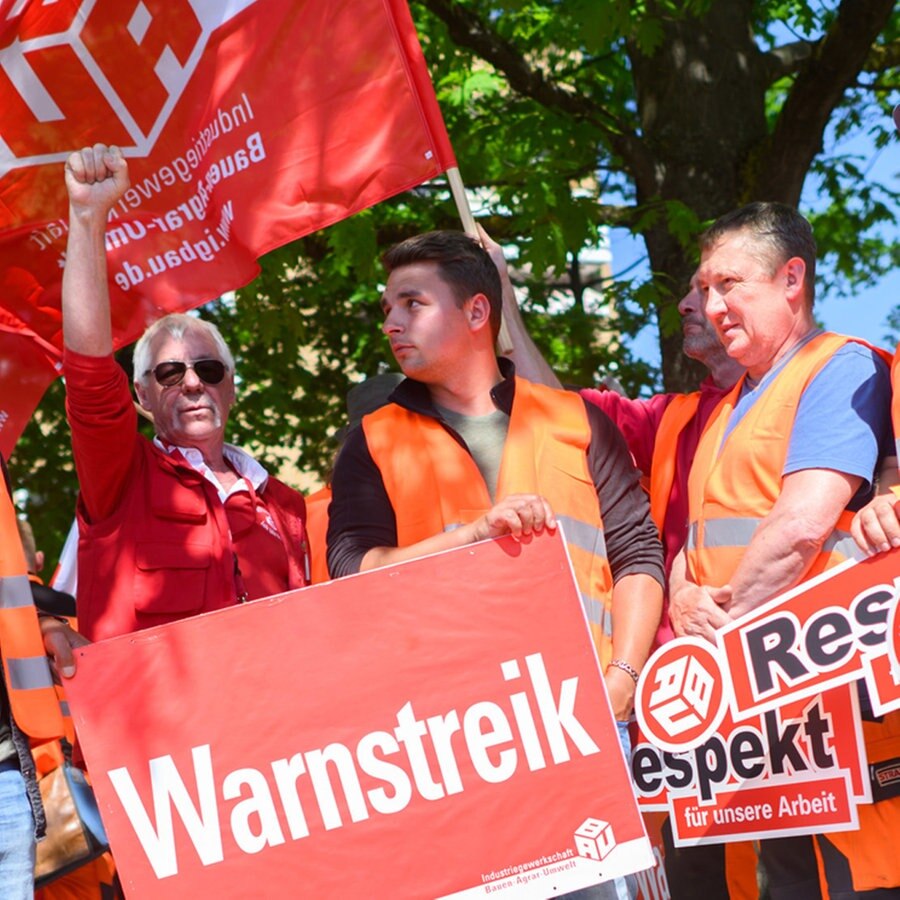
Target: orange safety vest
{"points": [[732, 486], [675, 419], [740, 857], [316, 531], [874, 862], [29, 683], [434, 484]]}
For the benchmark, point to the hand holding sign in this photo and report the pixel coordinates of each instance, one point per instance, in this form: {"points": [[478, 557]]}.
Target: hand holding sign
{"points": [[695, 613], [518, 515]]}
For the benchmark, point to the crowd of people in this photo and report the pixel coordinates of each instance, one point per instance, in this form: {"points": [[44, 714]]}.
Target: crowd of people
{"points": [[680, 512]]}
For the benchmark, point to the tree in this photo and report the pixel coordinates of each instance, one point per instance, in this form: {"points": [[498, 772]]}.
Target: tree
{"points": [[569, 117], [685, 109]]}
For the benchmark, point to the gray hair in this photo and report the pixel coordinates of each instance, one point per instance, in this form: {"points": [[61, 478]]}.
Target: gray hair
{"points": [[777, 227], [176, 325]]}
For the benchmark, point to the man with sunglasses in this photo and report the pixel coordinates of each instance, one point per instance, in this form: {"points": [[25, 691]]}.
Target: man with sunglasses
{"points": [[183, 524]]}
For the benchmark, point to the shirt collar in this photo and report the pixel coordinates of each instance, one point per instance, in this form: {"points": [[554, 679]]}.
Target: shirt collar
{"points": [[244, 464], [414, 395]]}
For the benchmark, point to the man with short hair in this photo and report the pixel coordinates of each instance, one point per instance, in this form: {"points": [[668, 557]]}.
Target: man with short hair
{"points": [[787, 456], [466, 451], [662, 433], [183, 524]]}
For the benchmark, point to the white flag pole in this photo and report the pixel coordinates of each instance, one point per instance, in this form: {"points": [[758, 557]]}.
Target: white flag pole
{"points": [[458, 189]]}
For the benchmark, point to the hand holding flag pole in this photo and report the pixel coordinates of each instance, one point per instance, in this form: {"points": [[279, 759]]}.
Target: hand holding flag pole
{"points": [[458, 189]]}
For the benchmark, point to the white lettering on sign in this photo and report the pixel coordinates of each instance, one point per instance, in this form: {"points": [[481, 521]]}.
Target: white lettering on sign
{"points": [[784, 652], [491, 739]]}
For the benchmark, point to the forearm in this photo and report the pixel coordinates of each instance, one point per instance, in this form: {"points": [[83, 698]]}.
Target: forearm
{"points": [[787, 541], [515, 341], [636, 609], [529, 361], [678, 574], [447, 540], [85, 294], [781, 552]]}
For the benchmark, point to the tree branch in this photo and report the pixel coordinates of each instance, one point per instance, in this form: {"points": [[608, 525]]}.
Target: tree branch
{"points": [[818, 88], [786, 59], [468, 30], [883, 57]]}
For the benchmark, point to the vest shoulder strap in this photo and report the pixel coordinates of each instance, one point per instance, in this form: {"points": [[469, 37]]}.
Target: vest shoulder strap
{"points": [[674, 420]]}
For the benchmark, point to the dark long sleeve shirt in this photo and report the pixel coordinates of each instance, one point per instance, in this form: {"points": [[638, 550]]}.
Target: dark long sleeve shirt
{"points": [[361, 516]]}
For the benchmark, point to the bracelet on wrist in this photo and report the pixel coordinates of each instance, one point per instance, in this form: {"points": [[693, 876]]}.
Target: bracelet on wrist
{"points": [[626, 667]]}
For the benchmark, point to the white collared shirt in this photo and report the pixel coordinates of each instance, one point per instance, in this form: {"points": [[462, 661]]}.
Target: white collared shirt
{"points": [[244, 464]]}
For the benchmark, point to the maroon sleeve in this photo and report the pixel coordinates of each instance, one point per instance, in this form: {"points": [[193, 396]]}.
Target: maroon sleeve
{"points": [[632, 541], [104, 430], [638, 420]]}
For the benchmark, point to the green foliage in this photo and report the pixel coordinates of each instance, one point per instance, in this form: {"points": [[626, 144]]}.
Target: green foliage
{"points": [[42, 464], [567, 116]]}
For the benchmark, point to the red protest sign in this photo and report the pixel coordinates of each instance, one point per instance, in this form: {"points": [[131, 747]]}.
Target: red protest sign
{"points": [[246, 125], [882, 676], [763, 776], [652, 884], [815, 636], [682, 695], [373, 730], [791, 806]]}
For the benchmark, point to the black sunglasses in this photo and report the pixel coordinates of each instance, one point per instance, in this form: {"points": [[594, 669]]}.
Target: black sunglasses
{"points": [[209, 371]]}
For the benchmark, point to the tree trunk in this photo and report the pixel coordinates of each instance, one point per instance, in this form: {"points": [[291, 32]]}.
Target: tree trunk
{"points": [[692, 97]]}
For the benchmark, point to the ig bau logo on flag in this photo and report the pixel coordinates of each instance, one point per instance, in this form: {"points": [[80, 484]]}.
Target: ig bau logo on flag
{"points": [[127, 64]]}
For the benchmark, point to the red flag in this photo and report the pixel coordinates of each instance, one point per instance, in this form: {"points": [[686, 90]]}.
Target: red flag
{"points": [[246, 125]]}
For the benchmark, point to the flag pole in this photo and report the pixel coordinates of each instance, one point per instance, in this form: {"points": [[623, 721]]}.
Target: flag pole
{"points": [[458, 189]]}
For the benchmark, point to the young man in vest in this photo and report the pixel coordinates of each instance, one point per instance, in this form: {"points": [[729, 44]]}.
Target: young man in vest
{"points": [[521, 456], [183, 524], [785, 459], [465, 451]]}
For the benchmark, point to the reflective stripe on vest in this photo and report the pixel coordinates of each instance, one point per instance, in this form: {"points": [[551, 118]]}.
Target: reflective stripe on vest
{"points": [[597, 614], [583, 535], [736, 532], [15, 592], [434, 484], [735, 483], [590, 539], [32, 696], [28, 673]]}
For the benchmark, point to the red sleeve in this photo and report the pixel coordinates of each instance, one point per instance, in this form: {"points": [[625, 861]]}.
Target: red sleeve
{"points": [[104, 430], [638, 420]]}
